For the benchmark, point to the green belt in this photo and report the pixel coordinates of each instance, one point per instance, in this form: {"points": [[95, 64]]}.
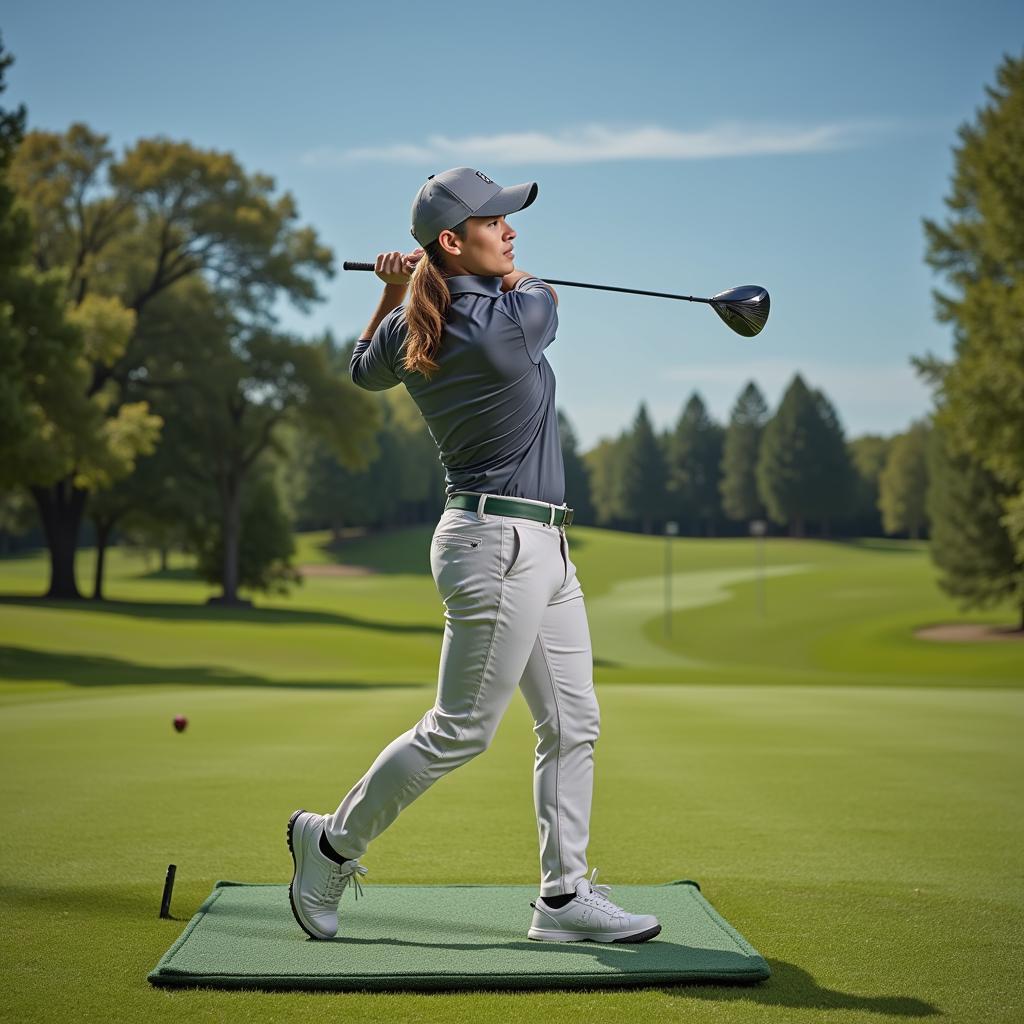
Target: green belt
{"points": [[512, 507]]}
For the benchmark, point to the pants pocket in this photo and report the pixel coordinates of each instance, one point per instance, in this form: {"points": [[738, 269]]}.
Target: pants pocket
{"points": [[515, 542], [456, 539]]}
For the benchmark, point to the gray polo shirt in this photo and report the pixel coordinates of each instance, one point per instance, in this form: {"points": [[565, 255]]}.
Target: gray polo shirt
{"points": [[490, 408]]}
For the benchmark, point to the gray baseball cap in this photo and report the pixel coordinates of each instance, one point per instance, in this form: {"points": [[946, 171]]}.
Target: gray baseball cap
{"points": [[448, 198]]}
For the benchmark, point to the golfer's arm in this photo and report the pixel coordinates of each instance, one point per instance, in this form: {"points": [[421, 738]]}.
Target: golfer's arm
{"points": [[393, 295], [509, 281]]}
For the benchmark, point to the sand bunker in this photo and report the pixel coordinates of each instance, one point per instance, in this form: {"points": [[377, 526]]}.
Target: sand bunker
{"points": [[970, 632]]}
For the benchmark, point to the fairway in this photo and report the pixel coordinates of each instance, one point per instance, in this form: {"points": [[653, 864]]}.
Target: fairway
{"points": [[847, 795]]}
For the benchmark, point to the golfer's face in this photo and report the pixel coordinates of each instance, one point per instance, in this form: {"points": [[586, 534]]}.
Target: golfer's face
{"points": [[488, 247]]}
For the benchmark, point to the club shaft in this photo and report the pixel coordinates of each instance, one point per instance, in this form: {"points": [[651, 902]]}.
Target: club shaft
{"points": [[349, 265]]}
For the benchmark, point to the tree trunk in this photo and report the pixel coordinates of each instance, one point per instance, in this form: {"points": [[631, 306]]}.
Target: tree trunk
{"points": [[231, 498], [61, 507], [163, 558], [103, 528]]}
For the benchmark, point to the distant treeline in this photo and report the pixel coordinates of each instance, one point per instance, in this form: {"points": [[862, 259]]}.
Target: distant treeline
{"points": [[792, 468]]}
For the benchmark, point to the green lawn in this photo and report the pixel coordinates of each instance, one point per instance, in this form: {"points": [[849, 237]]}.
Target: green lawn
{"points": [[847, 795]]}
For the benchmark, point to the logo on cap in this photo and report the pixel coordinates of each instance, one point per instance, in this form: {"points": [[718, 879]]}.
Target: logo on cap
{"points": [[480, 174]]}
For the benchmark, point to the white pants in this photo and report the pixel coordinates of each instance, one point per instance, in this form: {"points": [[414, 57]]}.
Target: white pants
{"points": [[514, 617]]}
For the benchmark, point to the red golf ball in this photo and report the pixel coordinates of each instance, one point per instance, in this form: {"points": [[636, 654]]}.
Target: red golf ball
{"points": [[180, 721]]}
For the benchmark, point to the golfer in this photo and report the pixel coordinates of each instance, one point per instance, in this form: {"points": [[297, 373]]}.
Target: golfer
{"points": [[468, 343]]}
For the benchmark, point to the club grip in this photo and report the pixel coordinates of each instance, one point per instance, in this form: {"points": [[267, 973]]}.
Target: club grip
{"points": [[350, 265]]}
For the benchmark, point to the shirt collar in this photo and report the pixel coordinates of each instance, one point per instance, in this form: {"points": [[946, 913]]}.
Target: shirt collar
{"points": [[475, 284]]}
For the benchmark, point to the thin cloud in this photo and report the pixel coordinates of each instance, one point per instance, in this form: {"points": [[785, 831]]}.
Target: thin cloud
{"points": [[594, 143]]}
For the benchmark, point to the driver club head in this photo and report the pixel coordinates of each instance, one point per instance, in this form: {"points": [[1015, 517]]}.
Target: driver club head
{"points": [[744, 309]]}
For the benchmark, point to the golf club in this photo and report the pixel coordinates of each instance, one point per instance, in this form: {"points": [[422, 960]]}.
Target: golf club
{"points": [[743, 308]]}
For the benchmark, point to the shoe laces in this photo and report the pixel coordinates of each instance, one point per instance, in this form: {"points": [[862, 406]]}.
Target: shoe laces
{"points": [[601, 893], [340, 876]]}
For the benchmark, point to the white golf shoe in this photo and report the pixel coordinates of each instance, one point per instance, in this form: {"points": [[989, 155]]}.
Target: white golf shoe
{"points": [[317, 882], [590, 915]]}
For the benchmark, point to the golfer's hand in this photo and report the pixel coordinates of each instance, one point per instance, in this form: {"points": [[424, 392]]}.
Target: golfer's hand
{"points": [[396, 268]]}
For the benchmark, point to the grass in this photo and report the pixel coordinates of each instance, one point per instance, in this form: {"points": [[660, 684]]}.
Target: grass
{"points": [[847, 795]]}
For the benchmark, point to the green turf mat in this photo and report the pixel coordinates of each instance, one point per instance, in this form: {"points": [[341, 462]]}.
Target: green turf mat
{"points": [[447, 937]]}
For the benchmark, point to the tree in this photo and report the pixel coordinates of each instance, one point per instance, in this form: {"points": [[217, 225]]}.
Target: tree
{"points": [[643, 480], [264, 543], [398, 479], [170, 214], [577, 479], [694, 467], [973, 551], [903, 484], [606, 464], [60, 435], [738, 485], [17, 514], [980, 249], [254, 383], [803, 471], [867, 456]]}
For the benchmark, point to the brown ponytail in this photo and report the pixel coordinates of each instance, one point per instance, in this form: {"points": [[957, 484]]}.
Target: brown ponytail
{"points": [[427, 307]]}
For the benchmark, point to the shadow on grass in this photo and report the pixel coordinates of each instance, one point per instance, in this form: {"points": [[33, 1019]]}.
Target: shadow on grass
{"points": [[182, 612], [790, 985], [183, 574], [26, 665], [880, 544], [404, 551]]}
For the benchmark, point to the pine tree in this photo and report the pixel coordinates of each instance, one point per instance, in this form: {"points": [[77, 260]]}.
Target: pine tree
{"points": [[644, 474], [832, 459], [980, 249], [695, 465], [738, 485], [972, 550], [803, 471], [577, 478]]}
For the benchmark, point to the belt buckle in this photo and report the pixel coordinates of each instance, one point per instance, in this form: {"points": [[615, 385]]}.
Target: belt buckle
{"points": [[567, 521]]}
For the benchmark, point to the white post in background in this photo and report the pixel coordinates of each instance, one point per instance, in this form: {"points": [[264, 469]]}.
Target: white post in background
{"points": [[671, 529], [758, 528]]}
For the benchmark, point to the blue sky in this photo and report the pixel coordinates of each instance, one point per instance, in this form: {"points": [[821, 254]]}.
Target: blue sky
{"points": [[678, 147]]}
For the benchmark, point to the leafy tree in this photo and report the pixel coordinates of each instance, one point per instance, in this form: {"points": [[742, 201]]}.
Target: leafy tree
{"points": [[972, 549], [577, 479], [398, 478], [980, 250], [867, 456], [738, 485], [17, 514], [254, 384], [903, 484], [803, 471], [643, 480], [606, 465], [62, 434], [265, 542], [694, 467], [170, 215]]}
